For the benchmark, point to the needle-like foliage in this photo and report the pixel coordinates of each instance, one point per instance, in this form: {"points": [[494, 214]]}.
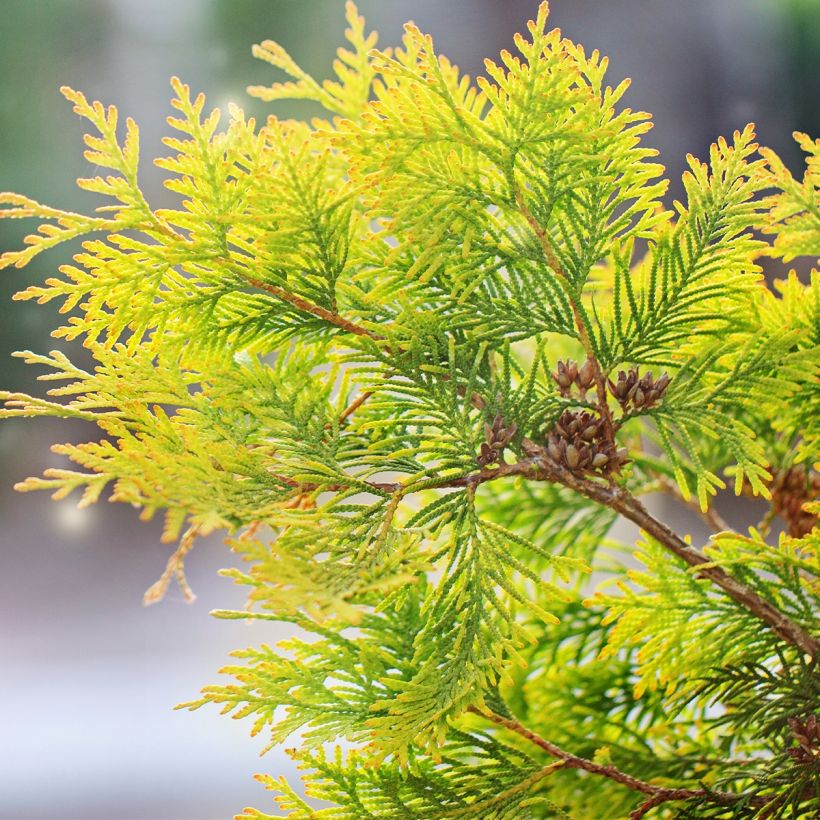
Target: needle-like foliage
{"points": [[415, 359]]}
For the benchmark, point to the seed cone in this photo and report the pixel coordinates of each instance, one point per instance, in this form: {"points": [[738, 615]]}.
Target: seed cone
{"points": [[577, 441], [790, 492], [496, 437], [635, 392], [565, 375], [806, 734], [586, 375], [568, 374]]}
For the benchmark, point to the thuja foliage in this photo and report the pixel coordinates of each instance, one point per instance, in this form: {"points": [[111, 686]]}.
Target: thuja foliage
{"points": [[416, 359]]}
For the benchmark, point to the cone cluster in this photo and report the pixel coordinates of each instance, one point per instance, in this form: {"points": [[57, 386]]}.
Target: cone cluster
{"points": [[496, 437], [635, 392], [577, 441], [790, 493], [569, 375], [807, 735]]}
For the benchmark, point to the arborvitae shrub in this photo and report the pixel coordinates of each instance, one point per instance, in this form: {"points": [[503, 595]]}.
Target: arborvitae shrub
{"points": [[415, 360]]}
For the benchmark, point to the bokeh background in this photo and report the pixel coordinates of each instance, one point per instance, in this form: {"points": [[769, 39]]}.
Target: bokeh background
{"points": [[88, 677]]}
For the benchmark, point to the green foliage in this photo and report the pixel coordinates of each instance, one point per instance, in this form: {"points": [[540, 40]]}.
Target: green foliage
{"points": [[342, 349], [680, 622], [793, 212], [699, 267], [499, 780]]}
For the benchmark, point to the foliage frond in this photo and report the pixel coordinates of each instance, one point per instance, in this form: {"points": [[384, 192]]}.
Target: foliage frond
{"points": [[677, 621], [700, 268], [793, 214], [345, 96]]}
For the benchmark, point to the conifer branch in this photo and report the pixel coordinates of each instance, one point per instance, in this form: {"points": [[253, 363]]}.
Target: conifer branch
{"points": [[341, 322], [710, 515], [481, 217], [304, 488], [658, 794], [329, 316], [542, 468], [583, 332]]}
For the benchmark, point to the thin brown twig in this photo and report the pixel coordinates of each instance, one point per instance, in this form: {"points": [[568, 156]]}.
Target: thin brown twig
{"points": [[623, 502], [657, 794], [342, 323], [316, 310], [630, 507], [711, 516], [354, 406]]}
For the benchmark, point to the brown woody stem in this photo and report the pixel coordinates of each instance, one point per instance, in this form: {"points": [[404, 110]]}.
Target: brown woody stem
{"points": [[315, 310], [711, 516], [657, 794], [542, 468], [631, 508]]}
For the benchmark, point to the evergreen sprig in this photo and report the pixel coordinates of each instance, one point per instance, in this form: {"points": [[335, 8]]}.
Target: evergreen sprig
{"points": [[415, 359]]}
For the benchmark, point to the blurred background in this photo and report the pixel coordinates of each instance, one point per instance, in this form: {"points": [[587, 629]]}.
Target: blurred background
{"points": [[88, 677]]}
